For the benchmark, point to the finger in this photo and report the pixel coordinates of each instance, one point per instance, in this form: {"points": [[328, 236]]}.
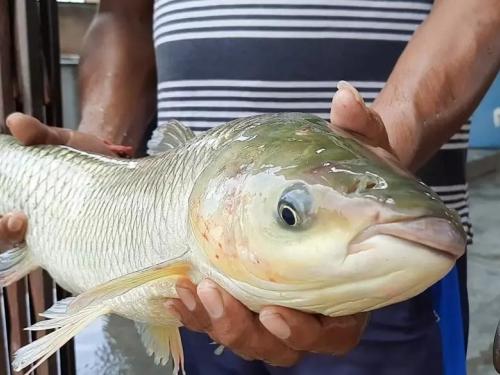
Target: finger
{"points": [[188, 308], [90, 143], [307, 332], [30, 131], [120, 150], [12, 229], [348, 330], [349, 112], [236, 327]]}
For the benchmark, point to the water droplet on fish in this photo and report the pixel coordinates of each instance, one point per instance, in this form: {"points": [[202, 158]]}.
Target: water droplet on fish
{"points": [[243, 138]]}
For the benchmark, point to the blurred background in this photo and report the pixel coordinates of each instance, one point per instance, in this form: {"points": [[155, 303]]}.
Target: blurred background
{"points": [[111, 346]]}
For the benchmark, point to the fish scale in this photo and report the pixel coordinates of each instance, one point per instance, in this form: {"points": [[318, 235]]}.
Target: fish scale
{"points": [[53, 202]]}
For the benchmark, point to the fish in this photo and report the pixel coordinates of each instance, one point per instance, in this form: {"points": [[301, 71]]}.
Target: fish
{"points": [[283, 209]]}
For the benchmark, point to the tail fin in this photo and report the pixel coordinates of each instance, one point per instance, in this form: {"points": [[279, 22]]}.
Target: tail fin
{"points": [[67, 326], [14, 265]]}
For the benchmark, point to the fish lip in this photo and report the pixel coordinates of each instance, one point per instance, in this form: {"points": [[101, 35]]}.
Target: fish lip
{"points": [[437, 234]]}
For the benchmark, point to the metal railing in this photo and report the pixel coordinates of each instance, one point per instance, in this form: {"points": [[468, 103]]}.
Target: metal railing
{"points": [[30, 83]]}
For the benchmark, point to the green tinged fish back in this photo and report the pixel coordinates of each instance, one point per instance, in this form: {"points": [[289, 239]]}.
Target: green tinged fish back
{"points": [[295, 142]]}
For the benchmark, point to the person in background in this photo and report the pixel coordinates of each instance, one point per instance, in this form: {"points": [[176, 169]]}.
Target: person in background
{"points": [[421, 66]]}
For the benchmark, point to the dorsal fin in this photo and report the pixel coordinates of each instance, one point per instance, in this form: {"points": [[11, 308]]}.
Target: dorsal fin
{"points": [[168, 136]]}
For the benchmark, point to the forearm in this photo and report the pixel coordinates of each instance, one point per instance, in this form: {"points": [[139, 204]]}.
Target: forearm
{"points": [[117, 73], [441, 77]]}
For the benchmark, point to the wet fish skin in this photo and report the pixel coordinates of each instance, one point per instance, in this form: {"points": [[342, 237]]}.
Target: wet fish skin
{"points": [[352, 189], [127, 229], [100, 208]]}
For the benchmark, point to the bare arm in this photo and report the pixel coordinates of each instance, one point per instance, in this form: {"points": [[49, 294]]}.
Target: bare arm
{"points": [[117, 72], [117, 81], [441, 77]]}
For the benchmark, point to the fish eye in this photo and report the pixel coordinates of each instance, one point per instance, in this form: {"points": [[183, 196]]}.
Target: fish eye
{"points": [[288, 215], [294, 206]]}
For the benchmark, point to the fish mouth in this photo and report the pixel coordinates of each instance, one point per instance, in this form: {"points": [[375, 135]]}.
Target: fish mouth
{"points": [[438, 234]]}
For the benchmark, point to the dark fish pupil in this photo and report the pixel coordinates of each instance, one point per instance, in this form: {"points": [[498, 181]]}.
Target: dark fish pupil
{"points": [[288, 216]]}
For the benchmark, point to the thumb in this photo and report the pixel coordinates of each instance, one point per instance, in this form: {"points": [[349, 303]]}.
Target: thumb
{"points": [[349, 112], [12, 229]]}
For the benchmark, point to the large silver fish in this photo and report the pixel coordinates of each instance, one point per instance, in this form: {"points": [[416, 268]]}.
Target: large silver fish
{"points": [[277, 209]]}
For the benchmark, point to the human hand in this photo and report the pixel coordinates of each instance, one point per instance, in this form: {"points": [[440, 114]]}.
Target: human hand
{"points": [[29, 131], [350, 113], [278, 335]]}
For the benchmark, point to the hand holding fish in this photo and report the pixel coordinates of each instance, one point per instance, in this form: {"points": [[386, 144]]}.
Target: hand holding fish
{"points": [[278, 335], [351, 210]]}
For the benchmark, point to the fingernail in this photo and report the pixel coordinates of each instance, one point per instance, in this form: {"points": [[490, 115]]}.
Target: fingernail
{"points": [[14, 224], [10, 117], [275, 324], [187, 298], [211, 299], [347, 87], [169, 306]]}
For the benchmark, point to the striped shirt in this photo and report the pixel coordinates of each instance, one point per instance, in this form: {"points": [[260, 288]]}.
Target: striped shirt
{"points": [[223, 59]]}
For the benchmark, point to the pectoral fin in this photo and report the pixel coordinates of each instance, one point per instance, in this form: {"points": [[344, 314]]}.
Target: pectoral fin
{"points": [[58, 309], [163, 342], [67, 326], [171, 269], [70, 316]]}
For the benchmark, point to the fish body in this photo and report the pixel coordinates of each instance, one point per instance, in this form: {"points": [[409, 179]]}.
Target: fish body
{"points": [[93, 219], [278, 209]]}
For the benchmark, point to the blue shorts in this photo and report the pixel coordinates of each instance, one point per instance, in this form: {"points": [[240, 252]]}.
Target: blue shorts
{"points": [[421, 336]]}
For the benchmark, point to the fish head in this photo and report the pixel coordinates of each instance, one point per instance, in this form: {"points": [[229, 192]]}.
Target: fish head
{"points": [[307, 217]]}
